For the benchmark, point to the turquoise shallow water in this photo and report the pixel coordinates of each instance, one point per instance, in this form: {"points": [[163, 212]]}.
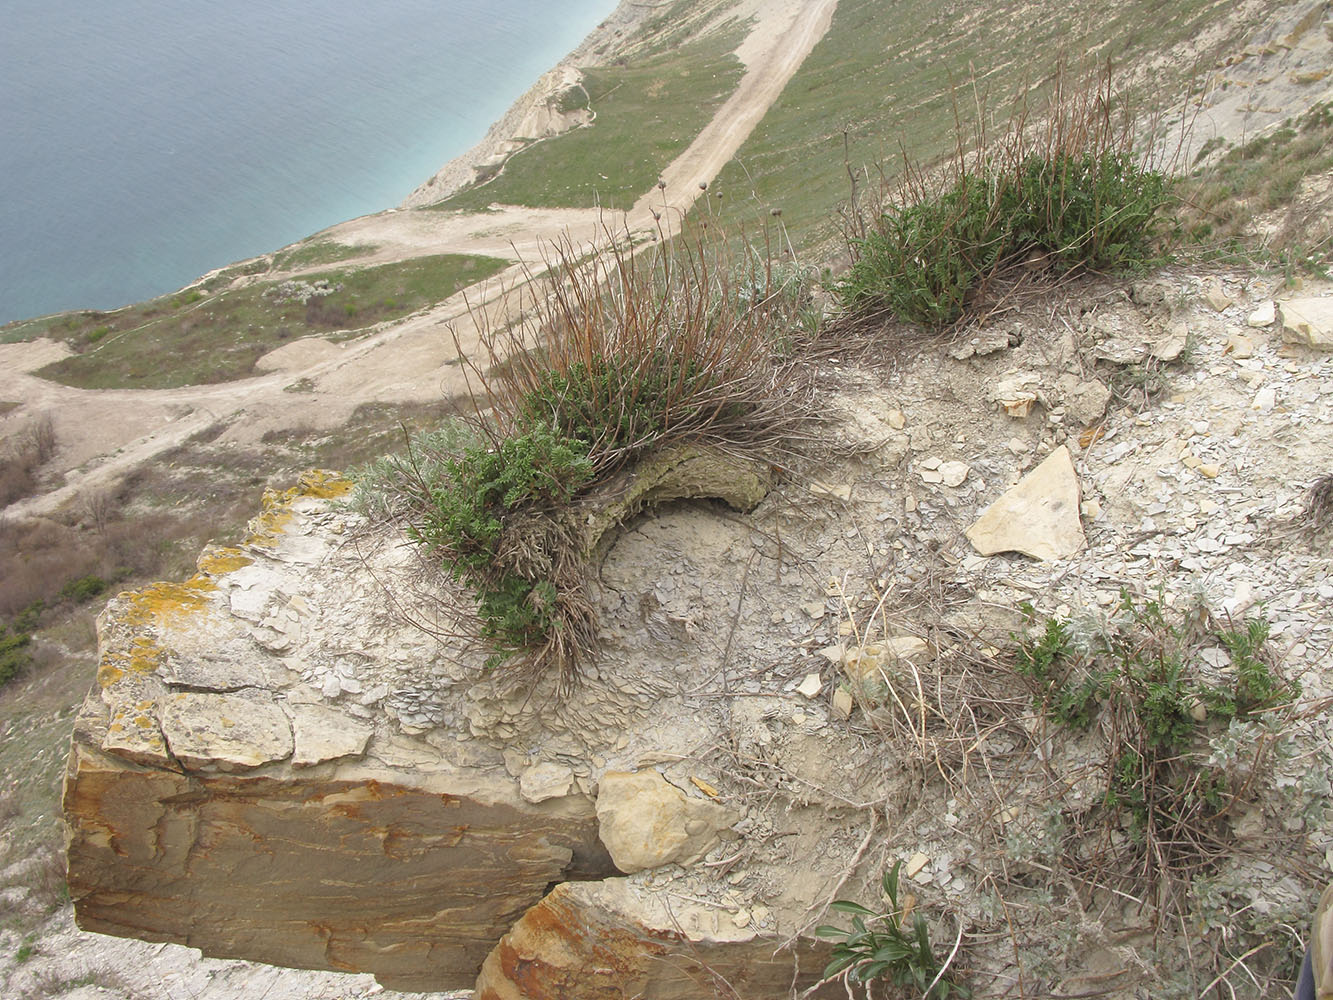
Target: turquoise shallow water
{"points": [[144, 142]]}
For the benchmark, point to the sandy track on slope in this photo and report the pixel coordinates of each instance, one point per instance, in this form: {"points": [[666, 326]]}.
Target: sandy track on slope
{"points": [[103, 434]]}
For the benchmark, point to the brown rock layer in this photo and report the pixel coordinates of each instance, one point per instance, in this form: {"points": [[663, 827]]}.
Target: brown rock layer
{"points": [[414, 884], [609, 940]]}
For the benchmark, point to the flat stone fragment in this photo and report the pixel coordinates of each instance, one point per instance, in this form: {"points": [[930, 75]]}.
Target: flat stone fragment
{"points": [[326, 734], [224, 732], [954, 473], [1216, 296], [545, 780], [645, 821], [1239, 346], [1308, 322], [1038, 517], [843, 703], [1264, 316]]}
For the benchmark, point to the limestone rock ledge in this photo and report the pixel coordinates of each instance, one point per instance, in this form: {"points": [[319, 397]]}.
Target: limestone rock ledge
{"points": [[215, 800], [291, 758]]}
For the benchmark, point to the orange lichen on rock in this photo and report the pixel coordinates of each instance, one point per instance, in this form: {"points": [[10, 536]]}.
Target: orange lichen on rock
{"points": [[219, 561], [276, 507], [161, 603], [322, 484]]}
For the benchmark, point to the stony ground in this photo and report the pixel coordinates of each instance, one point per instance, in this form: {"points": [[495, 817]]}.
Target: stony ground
{"points": [[1195, 433]]}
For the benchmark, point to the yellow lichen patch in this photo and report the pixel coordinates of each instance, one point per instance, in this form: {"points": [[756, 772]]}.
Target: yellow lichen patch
{"points": [[323, 484], [160, 603], [108, 672], [217, 561], [276, 507], [274, 516], [145, 655]]}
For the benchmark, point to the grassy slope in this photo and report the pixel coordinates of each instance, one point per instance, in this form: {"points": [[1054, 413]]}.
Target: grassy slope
{"points": [[648, 112], [217, 337], [884, 74]]}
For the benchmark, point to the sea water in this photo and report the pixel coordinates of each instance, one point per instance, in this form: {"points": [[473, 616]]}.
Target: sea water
{"points": [[145, 142]]}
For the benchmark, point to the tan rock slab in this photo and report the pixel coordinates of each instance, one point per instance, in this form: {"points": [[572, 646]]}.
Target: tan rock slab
{"points": [[545, 780], [1038, 517], [1239, 346], [611, 939], [1308, 322], [645, 821], [224, 732], [322, 734], [1215, 295]]}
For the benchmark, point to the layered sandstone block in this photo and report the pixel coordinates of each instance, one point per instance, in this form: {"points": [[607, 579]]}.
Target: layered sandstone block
{"points": [[216, 800]]}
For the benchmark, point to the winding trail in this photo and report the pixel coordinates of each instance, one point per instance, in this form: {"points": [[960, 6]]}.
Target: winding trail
{"points": [[104, 434]]}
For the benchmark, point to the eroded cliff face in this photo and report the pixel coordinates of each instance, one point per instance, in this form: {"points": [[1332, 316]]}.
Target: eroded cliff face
{"points": [[216, 800]]}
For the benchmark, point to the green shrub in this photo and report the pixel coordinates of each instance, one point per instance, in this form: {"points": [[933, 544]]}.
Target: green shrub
{"points": [[85, 588], [879, 945], [1096, 212], [623, 357], [1066, 194], [1141, 679], [14, 656]]}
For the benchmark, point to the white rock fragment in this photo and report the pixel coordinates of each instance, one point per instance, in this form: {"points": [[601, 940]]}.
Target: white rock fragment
{"points": [[1265, 399], [953, 474], [545, 780], [1038, 517], [1265, 315], [322, 734], [224, 732], [1173, 345], [810, 686]]}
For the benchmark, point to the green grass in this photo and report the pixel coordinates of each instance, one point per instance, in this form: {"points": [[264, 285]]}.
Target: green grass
{"points": [[24, 330], [883, 74], [1220, 200], [314, 251], [1078, 208], [198, 337], [647, 112]]}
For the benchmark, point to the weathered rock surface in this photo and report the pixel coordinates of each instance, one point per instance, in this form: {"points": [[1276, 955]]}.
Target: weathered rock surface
{"points": [[217, 803], [1039, 517], [605, 940], [275, 765], [1308, 321], [645, 821]]}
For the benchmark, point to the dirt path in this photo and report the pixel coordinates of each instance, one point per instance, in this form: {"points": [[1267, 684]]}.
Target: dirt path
{"points": [[103, 434]]}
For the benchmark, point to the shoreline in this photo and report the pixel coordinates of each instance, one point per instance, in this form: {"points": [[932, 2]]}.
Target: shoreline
{"points": [[533, 116]]}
